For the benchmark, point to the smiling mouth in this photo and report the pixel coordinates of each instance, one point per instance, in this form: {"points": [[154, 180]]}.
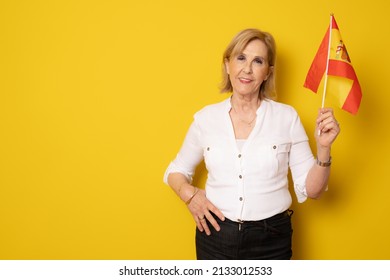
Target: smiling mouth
{"points": [[245, 81]]}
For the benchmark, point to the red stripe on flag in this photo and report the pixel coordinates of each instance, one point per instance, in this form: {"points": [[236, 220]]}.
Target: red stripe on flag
{"points": [[344, 69], [352, 102], [318, 66], [334, 24]]}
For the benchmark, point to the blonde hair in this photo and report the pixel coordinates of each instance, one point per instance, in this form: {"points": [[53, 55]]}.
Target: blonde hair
{"points": [[237, 45]]}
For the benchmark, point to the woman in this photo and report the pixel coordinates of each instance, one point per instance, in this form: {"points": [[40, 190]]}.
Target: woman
{"points": [[248, 142]]}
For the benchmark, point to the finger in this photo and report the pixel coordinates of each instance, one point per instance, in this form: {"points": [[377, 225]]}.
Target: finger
{"points": [[199, 225], [216, 211], [329, 124], [323, 116], [204, 225], [322, 111], [213, 222], [325, 112], [326, 119]]}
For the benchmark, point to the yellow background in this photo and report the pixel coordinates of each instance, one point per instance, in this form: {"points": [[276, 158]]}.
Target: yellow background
{"points": [[96, 97]]}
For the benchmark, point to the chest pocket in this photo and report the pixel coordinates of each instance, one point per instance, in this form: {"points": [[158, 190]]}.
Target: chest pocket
{"points": [[215, 155], [267, 160]]}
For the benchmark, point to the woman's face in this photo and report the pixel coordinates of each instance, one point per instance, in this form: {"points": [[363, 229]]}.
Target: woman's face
{"points": [[248, 69]]}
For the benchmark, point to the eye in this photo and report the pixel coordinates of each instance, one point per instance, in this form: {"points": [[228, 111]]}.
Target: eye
{"points": [[259, 61], [241, 57]]}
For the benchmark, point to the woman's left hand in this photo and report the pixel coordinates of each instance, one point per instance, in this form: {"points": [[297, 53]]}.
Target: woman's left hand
{"points": [[327, 128]]}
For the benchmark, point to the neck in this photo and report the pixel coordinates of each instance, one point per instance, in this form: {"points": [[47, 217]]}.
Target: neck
{"points": [[245, 103]]}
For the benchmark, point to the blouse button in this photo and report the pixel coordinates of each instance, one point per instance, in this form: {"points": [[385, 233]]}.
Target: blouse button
{"points": [[274, 147], [208, 148], [240, 176], [241, 199], [239, 155]]}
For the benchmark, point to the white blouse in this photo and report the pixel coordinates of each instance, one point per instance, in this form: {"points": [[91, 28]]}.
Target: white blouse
{"points": [[250, 183]]}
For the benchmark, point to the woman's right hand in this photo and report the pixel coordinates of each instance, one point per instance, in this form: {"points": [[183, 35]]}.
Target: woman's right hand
{"points": [[197, 202], [201, 209]]}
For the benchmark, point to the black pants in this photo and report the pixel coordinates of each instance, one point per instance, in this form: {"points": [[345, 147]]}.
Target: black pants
{"points": [[268, 239]]}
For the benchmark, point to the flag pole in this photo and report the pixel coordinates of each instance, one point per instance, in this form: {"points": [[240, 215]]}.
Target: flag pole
{"points": [[327, 61], [327, 65]]}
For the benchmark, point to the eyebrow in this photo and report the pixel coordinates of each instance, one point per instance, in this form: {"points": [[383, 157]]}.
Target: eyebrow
{"points": [[256, 57], [242, 53]]}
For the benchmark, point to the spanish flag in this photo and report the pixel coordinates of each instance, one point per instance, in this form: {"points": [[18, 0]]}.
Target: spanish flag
{"points": [[333, 62]]}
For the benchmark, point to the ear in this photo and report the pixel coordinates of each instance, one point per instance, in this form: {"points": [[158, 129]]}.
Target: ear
{"points": [[227, 66]]}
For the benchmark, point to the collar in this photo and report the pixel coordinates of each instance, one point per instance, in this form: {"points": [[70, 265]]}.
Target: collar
{"points": [[228, 105]]}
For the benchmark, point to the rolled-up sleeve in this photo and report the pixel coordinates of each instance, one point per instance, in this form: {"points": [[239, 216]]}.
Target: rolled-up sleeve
{"points": [[301, 159], [189, 156]]}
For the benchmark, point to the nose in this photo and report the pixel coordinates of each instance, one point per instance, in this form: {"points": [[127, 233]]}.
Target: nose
{"points": [[248, 67]]}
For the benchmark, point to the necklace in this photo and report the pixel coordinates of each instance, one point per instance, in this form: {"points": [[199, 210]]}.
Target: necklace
{"points": [[242, 120]]}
